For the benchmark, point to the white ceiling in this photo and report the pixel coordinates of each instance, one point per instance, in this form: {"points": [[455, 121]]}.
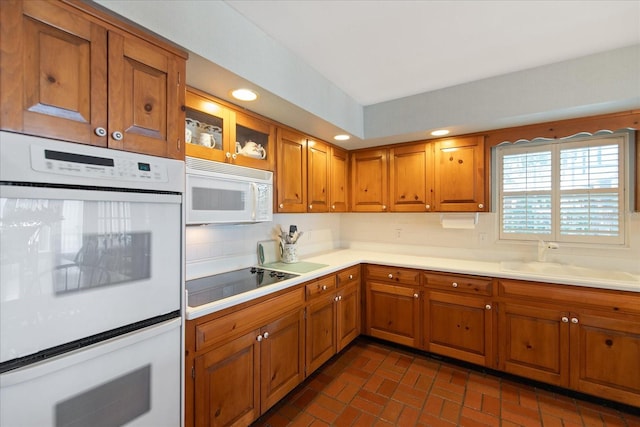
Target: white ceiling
{"points": [[377, 51]]}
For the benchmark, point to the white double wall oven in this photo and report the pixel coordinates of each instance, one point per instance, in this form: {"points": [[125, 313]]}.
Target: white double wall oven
{"points": [[91, 285]]}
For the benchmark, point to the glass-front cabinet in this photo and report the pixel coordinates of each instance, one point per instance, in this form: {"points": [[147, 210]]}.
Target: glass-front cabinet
{"points": [[216, 132]]}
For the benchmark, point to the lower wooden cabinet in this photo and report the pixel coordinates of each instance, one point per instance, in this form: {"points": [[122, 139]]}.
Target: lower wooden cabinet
{"points": [[584, 339], [393, 304], [333, 315]]}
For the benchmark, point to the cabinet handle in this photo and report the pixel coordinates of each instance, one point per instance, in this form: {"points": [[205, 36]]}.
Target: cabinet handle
{"points": [[234, 156], [565, 319], [340, 298], [480, 206], [488, 306], [310, 207], [336, 299], [228, 155], [351, 277], [117, 135], [427, 207], [384, 207], [454, 284], [281, 205], [324, 287], [390, 276], [416, 296], [574, 320], [259, 338], [266, 335], [333, 207], [100, 131]]}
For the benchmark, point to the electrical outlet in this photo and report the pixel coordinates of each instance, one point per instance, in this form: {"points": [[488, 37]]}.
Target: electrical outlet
{"points": [[398, 233], [482, 237]]}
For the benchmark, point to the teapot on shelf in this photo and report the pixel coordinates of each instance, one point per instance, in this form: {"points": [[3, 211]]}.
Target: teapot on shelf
{"points": [[251, 149]]}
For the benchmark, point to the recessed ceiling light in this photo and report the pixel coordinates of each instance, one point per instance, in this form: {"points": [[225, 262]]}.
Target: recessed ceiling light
{"points": [[244, 94], [440, 132], [341, 137]]}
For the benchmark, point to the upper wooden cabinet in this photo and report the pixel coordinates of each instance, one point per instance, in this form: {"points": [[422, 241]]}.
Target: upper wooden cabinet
{"points": [[216, 132], [68, 74], [318, 169], [339, 180], [291, 176], [411, 178], [459, 174], [369, 184]]}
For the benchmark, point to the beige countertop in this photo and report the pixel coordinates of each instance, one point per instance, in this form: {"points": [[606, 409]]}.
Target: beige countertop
{"points": [[342, 258]]}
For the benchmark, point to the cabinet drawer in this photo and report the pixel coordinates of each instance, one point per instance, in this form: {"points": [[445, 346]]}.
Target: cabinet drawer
{"points": [[405, 276], [226, 327], [610, 300], [348, 275], [322, 286], [453, 282]]}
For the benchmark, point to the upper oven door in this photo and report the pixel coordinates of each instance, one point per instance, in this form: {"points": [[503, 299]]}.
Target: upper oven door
{"points": [[74, 263]]}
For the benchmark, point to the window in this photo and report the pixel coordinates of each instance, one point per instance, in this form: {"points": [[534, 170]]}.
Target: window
{"points": [[564, 190]]}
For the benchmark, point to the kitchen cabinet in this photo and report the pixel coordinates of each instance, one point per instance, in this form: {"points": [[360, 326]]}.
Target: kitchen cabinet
{"points": [[393, 304], [459, 174], [318, 169], [73, 73], [333, 315], [411, 178], [339, 180], [241, 362], [459, 317], [581, 338], [215, 131], [291, 175], [369, 183]]}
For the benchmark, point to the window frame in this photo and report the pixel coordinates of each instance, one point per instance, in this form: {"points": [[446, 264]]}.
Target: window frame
{"points": [[555, 146]]}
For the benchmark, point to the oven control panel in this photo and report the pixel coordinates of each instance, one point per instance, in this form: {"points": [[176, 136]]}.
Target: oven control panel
{"points": [[89, 166]]}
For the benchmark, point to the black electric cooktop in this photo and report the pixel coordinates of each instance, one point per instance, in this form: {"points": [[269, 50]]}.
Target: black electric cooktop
{"points": [[219, 286]]}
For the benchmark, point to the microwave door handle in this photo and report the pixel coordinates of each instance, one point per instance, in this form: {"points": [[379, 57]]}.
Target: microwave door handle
{"points": [[254, 192]]}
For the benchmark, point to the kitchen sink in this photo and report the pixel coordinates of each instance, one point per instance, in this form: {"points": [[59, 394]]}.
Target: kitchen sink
{"points": [[566, 270]]}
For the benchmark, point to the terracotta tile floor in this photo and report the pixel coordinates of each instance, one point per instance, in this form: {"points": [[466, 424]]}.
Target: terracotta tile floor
{"points": [[372, 384]]}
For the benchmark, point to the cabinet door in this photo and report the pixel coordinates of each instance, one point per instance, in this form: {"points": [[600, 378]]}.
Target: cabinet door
{"points": [[393, 313], [321, 331], [205, 116], [348, 315], [146, 98], [292, 172], [318, 158], [605, 355], [339, 179], [369, 185], [411, 178], [53, 75], [227, 383], [533, 342], [282, 357], [248, 130], [460, 327], [459, 174]]}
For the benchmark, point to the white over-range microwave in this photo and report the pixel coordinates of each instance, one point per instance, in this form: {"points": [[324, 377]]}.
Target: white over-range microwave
{"points": [[220, 193]]}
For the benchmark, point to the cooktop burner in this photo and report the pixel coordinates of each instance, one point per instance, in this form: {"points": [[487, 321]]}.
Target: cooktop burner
{"points": [[213, 288]]}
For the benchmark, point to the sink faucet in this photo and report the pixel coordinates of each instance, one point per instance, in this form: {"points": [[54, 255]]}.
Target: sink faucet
{"points": [[543, 247]]}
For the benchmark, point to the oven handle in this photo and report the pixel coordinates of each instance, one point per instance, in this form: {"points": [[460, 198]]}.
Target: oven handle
{"points": [[254, 192], [23, 192], [46, 367]]}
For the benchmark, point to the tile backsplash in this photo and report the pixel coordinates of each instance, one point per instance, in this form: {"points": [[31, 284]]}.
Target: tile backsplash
{"points": [[217, 248]]}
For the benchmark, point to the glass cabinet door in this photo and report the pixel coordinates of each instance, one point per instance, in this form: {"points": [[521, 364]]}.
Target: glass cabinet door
{"points": [[206, 128], [254, 141]]}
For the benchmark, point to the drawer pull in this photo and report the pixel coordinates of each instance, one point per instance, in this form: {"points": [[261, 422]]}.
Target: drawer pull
{"points": [[454, 284], [390, 276], [488, 306], [351, 277], [259, 338], [574, 320], [565, 319], [416, 295], [324, 287]]}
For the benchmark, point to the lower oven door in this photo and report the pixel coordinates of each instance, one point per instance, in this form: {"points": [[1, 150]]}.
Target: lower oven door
{"points": [[131, 380], [76, 263]]}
